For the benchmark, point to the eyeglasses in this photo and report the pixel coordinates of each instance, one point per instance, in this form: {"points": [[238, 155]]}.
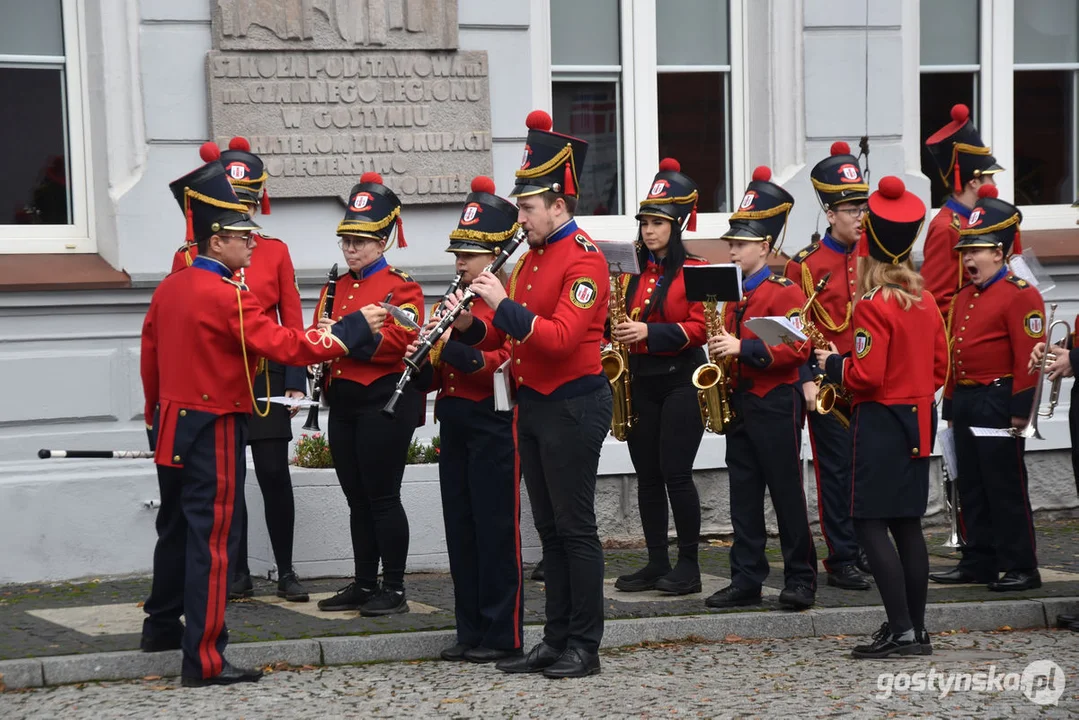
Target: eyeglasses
{"points": [[854, 212], [353, 243], [246, 237]]}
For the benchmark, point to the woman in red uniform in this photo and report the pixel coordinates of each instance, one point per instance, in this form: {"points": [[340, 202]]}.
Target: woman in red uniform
{"points": [[665, 334], [477, 463], [272, 279], [369, 450], [898, 362]]}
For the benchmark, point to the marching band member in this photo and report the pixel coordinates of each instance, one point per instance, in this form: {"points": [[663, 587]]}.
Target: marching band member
{"points": [[842, 193], [898, 361], [965, 164], [665, 334], [369, 449], [996, 321], [201, 341], [477, 460], [273, 281], [555, 312], [764, 445]]}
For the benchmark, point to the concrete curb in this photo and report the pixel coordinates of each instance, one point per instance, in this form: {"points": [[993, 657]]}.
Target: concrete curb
{"points": [[132, 665]]}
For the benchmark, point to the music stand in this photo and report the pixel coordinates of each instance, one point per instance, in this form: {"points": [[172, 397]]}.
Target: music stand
{"points": [[713, 283], [621, 256]]}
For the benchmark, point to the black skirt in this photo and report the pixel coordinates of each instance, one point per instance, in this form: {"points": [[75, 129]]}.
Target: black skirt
{"points": [[886, 481], [277, 425]]}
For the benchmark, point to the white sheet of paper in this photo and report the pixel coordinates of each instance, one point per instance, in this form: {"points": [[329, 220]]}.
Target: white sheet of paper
{"points": [[290, 402], [991, 432], [621, 256], [946, 437], [505, 394], [1027, 267], [776, 330]]}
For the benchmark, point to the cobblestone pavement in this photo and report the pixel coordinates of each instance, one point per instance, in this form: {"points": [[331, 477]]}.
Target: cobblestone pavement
{"points": [[738, 678], [30, 627]]}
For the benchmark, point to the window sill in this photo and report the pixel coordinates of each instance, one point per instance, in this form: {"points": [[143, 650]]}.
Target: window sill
{"points": [[32, 273]]}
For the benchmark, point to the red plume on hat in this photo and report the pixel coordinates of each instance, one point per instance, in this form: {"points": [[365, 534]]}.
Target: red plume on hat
{"points": [[840, 148], [374, 177], [482, 183]]}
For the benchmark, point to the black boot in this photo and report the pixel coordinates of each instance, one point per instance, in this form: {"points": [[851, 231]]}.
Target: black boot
{"points": [[685, 579], [350, 597], [645, 578], [537, 572], [241, 587], [289, 587]]}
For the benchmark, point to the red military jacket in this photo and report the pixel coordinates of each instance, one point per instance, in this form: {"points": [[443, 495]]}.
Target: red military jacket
{"points": [[994, 328], [899, 358], [678, 325], [272, 279], [463, 371], [199, 358], [555, 314], [385, 354], [941, 267], [759, 369], [832, 309]]}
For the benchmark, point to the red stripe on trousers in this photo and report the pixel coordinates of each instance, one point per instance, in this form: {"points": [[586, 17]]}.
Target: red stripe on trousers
{"points": [[517, 535], [225, 439]]}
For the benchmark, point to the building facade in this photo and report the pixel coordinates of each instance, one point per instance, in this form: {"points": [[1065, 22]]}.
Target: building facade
{"points": [[108, 101]]}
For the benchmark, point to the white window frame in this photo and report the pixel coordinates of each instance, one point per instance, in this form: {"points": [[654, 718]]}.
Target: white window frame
{"points": [[640, 108], [75, 237]]}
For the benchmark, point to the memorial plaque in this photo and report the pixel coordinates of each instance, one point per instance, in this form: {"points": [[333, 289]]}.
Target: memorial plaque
{"points": [[334, 24]]}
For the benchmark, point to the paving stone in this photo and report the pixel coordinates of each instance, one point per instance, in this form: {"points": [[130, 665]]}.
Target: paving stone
{"points": [[18, 674], [109, 666], [293, 652]]}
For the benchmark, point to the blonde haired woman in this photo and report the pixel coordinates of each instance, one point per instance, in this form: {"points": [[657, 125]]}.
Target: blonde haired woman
{"points": [[898, 362]]}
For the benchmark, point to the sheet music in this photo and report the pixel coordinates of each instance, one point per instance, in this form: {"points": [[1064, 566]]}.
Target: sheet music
{"points": [[776, 330], [504, 389], [621, 256], [290, 402], [946, 437], [1027, 267], [992, 432]]}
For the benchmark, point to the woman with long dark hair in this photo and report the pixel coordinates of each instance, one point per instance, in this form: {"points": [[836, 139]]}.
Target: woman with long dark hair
{"points": [[664, 333]]}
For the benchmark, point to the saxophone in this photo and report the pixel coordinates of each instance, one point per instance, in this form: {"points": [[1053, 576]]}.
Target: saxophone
{"points": [[831, 398], [713, 380], [615, 362]]}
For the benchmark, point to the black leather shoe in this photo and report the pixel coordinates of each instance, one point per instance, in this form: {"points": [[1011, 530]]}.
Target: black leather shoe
{"points": [[160, 644], [540, 657], [241, 587], [732, 596], [455, 653], [921, 636], [678, 586], [489, 655], [885, 644], [798, 597], [862, 563], [1066, 621], [1017, 580], [847, 577], [289, 587], [229, 675], [350, 597], [574, 663], [958, 576], [386, 602], [643, 579], [537, 572]]}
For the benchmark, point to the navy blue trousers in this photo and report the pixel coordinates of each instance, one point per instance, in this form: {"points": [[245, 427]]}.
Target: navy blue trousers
{"points": [[831, 444], [197, 532]]}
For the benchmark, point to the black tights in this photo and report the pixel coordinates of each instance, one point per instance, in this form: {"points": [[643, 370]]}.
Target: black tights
{"points": [[901, 571], [271, 470]]}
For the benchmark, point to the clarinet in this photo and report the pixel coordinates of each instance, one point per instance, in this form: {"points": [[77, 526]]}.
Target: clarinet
{"points": [[320, 371], [427, 340]]}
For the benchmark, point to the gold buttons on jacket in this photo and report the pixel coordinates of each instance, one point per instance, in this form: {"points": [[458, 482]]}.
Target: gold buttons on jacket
{"points": [[914, 451], [453, 389], [529, 287], [535, 268], [649, 290], [338, 372], [183, 413], [355, 285], [652, 281], [451, 376], [520, 379], [176, 458], [541, 251], [236, 404], [518, 361], [205, 397], [349, 297]]}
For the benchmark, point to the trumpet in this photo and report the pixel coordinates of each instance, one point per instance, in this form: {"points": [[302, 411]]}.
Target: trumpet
{"points": [[950, 500], [1036, 411]]}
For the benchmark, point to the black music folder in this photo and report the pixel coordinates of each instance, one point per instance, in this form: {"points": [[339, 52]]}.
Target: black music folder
{"points": [[720, 283]]}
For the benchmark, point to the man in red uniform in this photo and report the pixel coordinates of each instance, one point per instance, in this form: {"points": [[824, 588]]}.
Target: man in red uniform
{"points": [[272, 279], [996, 321], [764, 444], [965, 165], [555, 314], [197, 379], [842, 193]]}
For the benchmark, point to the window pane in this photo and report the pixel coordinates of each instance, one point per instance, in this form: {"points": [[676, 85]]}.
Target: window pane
{"points": [[33, 188], [585, 33], [589, 110], [692, 32], [31, 27], [1047, 31], [949, 32], [1044, 138], [939, 92], [693, 130]]}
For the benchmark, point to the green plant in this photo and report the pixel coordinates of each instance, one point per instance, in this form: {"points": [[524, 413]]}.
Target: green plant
{"points": [[312, 451], [420, 453]]}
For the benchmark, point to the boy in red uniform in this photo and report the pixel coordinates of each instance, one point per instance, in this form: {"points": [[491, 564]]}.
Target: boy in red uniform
{"points": [[996, 320], [764, 445], [842, 193], [965, 165], [554, 313], [197, 378]]}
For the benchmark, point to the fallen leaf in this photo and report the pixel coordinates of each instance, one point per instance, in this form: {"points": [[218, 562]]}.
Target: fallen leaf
{"points": [[160, 687], [152, 677], [732, 638], [452, 700]]}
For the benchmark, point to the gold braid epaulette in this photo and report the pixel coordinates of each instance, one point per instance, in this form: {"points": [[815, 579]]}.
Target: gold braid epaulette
{"points": [[516, 270], [817, 309], [247, 371]]}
